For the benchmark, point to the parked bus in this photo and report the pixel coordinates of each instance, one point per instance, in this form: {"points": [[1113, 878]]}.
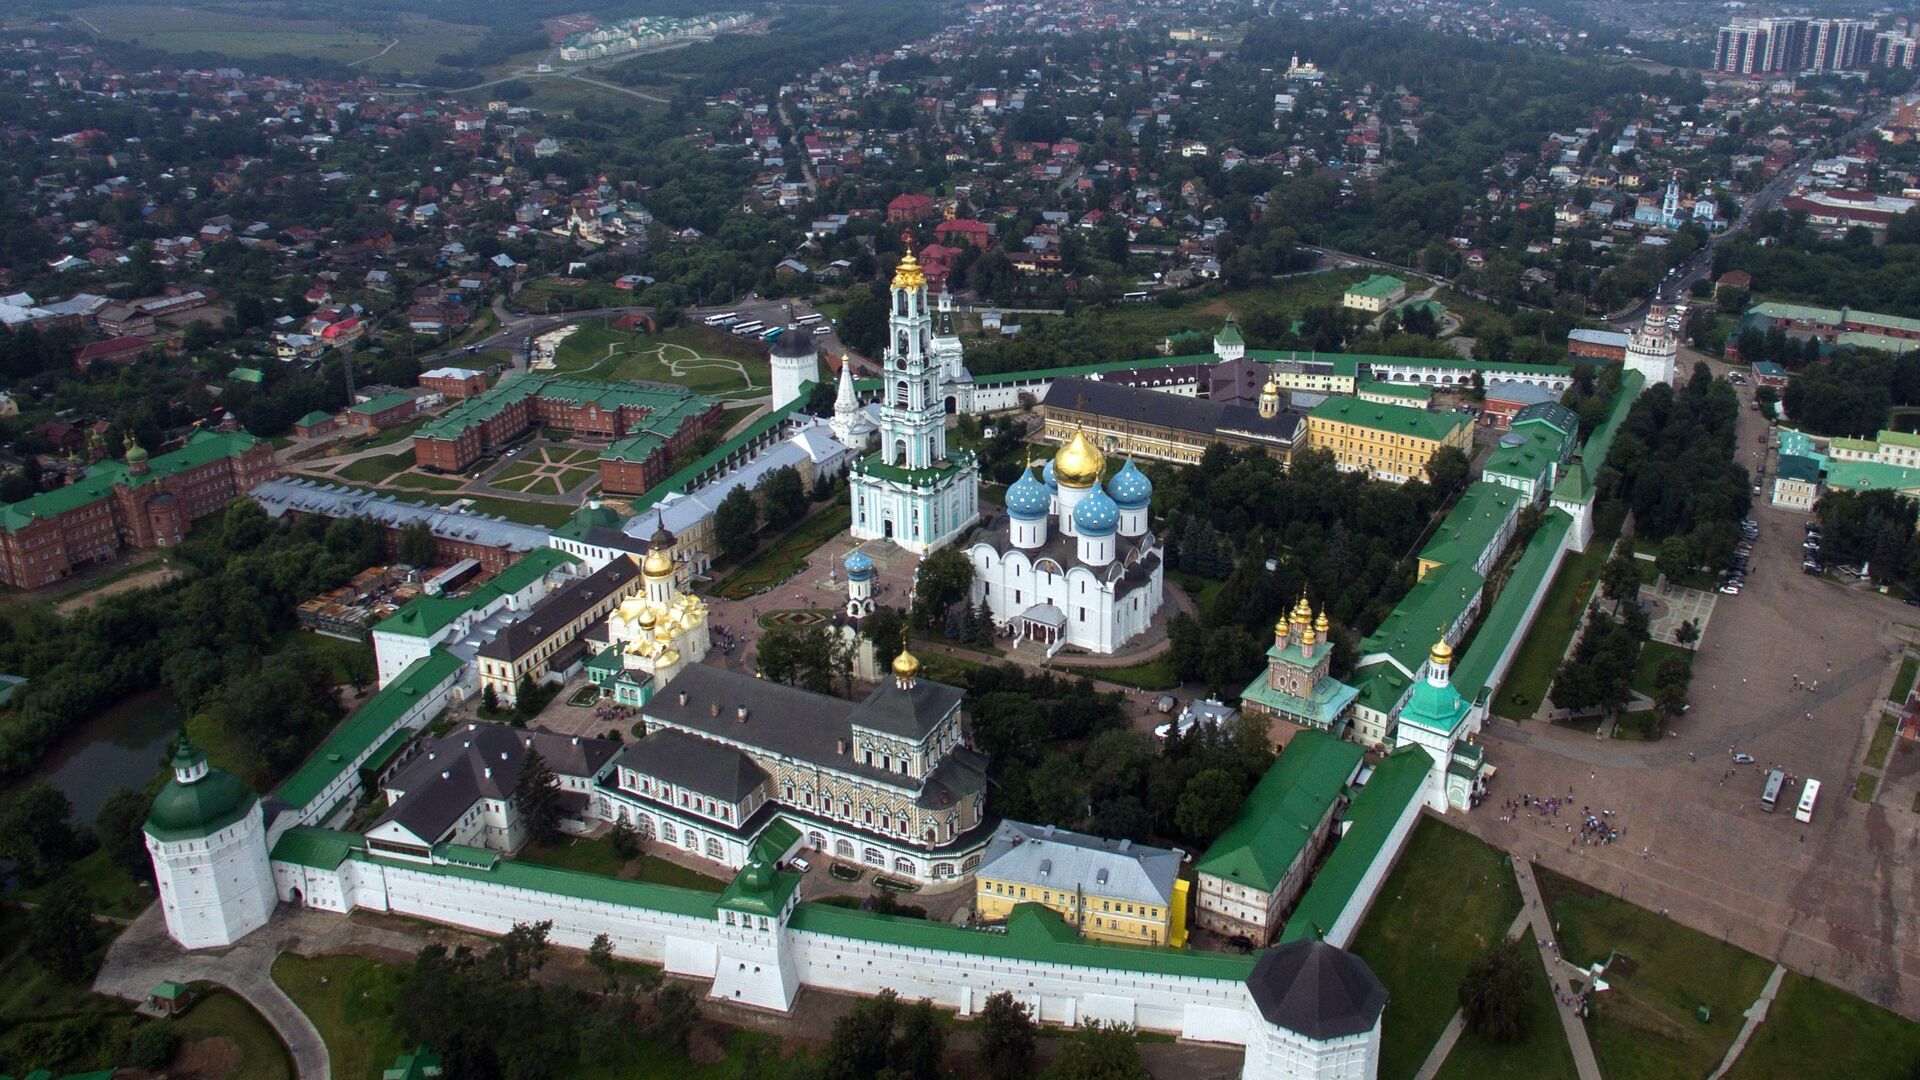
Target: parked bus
{"points": [[748, 329], [723, 317], [773, 334], [1139, 297], [805, 320], [1770, 798], [1808, 796]]}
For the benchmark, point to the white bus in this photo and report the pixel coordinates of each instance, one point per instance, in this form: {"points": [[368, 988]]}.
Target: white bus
{"points": [[1770, 798], [723, 317], [806, 320], [748, 329], [1808, 796]]}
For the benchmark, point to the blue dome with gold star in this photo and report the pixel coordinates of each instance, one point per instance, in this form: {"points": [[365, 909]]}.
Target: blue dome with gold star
{"points": [[1028, 498], [1130, 487], [859, 565], [1096, 515]]}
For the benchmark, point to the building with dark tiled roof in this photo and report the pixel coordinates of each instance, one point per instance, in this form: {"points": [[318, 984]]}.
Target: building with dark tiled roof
{"points": [[459, 789], [1128, 420]]}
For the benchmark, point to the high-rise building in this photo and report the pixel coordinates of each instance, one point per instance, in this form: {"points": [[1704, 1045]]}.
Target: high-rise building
{"points": [[1782, 46], [1838, 44]]}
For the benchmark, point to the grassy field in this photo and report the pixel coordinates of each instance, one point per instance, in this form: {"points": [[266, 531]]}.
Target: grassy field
{"points": [[1421, 958], [36, 1008], [1903, 682], [351, 1000], [1155, 674], [704, 360], [1652, 655], [376, 469], [1863, 786], [221, 1015], [1553, 628], [253, 30], [783, 559], [1815, 1032], [424, 482], [1647, 1024], [1203, 590], [1538, 1055], [389, 436], [1882, 744], [109, 890]]}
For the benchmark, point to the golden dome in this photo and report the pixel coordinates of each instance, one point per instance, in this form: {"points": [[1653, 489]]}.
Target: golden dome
{"points": [[663, 633], [1442, 652], [657, 564], [1301, 611], [1273, 385], [1079, 463], [1321, 624], [908, 274], [906, 665], [1307, 636], [647, 619], [1282, 626]]}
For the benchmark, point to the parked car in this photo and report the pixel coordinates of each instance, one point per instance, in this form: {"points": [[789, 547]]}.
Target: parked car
{"points": [[1740, 758]]}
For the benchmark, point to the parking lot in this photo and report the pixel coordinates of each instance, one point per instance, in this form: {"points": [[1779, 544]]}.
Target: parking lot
{"points": [[1791, 671]]}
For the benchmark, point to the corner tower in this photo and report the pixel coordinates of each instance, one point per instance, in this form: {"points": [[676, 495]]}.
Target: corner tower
{"points": [[795, 362], [208, 840]]}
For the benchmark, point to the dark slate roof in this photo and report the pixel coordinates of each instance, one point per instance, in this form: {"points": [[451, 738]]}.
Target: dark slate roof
{"points": [[910, 714], [603, 537], [803, 725], [795, 341], [562, 607], [1317, 990], [694, 763], [1199, 415], [480, 761]]}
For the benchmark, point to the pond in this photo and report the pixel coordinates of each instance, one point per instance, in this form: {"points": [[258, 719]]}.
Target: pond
{"points": [[120, 746]]}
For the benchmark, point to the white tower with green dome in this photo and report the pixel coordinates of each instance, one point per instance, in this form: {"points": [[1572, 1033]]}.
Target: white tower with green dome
{"points": [[208, 840]]}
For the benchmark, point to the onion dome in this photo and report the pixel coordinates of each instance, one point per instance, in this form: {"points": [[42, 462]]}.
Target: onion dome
{"points": [[1050, 476], [647, 619], [657, 565], [1301, 611], [859, 565], [1028, 498], [663, 633], [135, 452], [1442, 653], [1130, 487], [906, 665], [908, 274], [199, 801], [1096, 515], [1320, 624], [1079, 463]]}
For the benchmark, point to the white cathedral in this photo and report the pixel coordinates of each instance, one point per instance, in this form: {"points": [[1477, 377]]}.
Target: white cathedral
{"points": [[913, 490]]}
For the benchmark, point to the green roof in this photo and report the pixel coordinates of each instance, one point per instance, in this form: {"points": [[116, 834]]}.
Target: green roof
{"points": [[1424, 615], [759, 889], [317, 416], [1773, 309], [1900, 438], [1470, 527], [99, 480], [1573, 486], [417, 1064], [588, 517], [371, 723], [1600, 442], [1798, 467], [1438, 708], [1502, 622], [1403, 391], [167, 991], [247, 375], [1791, 439], [1398, 419], [319, 849], [209, 804], [667, 406], [1395, 782], [872, 465], [1282, 813], [1379, 286], [1325, 702], [515, 874], [1229, 334], [1871, 476], [686, 478], [1033, 935], [1381, 686], [1340, 364], [382, 403], [424, 616]]}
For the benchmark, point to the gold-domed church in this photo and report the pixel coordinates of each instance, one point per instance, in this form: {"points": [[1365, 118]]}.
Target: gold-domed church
{"points": [[914, 490], [1071, 561], [658, 632]]}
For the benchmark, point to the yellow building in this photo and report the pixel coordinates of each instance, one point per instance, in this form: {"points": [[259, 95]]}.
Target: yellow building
{"points": [[1114, 890], [1385, 441]]}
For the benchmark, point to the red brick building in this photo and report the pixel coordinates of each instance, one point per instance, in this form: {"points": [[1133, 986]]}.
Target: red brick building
{"points": [[385, 411], [907, 209], [454, 384], [120, 350], [136, 502], [1604, 345]]}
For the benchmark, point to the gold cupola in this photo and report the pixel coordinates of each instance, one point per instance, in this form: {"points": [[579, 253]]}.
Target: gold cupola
{"points": [[1441, 654], [1079, 463], [908, 274]]}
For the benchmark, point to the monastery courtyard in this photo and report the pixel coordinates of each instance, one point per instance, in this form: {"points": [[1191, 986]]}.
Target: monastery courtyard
{"points": [[1836, 898]]}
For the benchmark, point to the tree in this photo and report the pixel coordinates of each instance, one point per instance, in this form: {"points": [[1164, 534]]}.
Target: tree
{"points": [[600, 958], [675, 1011], [783, 497], [61, 931], [1687, 633], [37, 832], [1448, 468], [886, 628], [1620, 577], [945, 578], [882, 1038], [152, 1047], [536, 795], [1675, 557], [1006, 1037], [119, 824], [735, 523], [416, 544], [1670, 681], [1495, 989], [624, 841], [1098, 1051], [1208, 805], [489, 698]]}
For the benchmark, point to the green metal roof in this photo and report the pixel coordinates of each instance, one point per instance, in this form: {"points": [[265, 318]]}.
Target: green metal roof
{"points": [[1797, 467], [683, 481], [1871, 476], [1381, 686], [211, 803], [1573, 486], [320, 849], [1378, 286], [1501, 624], [369, 724], [1229, 334], [1395, 782], [1398, 419], [381, 404], [99, 480], [1423, 616], [872, 465], [1436, 708], [516, 874], [424, 616], [1033, 935], [667, 406], [317, 416], [1407, 391], [588, 517], [1469, 528], [1326, 701], [1280, 815], [247, 375]]}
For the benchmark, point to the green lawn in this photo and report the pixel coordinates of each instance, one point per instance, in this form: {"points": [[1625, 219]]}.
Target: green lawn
{"points": [[1540, 654], [424, 481], [220, 1015], [1647, 725], [1903, 682], [1863, 786], [784, 557], [1289, 298], [700, 358], [347, 659], [351, 1000], [389, 436], [1540, 1054], [1203, 590], [1419, 954], [373, 470], [1155, 674], [1647, 1025], [1652, 655], [1816, 1032], [576, 853], [1882, 744], [109, 890]]}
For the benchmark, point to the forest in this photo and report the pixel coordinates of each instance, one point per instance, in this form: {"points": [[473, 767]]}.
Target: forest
{"points": [[1789, 261], [1673, 465], [1852, 395]]}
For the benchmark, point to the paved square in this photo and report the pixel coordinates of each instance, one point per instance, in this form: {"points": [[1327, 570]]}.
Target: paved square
{"points": [[1668, 606]]}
